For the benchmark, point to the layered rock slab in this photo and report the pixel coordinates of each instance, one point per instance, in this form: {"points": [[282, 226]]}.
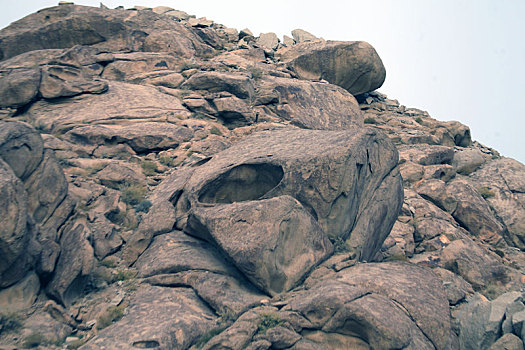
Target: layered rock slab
{"points": [[158, 317], [121, 104]]}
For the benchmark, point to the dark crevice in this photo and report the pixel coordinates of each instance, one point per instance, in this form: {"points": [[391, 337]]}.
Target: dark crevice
{"points": [[242, 183]]}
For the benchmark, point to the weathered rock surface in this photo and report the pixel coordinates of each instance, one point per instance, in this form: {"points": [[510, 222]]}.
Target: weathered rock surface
{"points": [[274, 242], [169, 318], [310, 105], [122, 102], [502, 184], [481, 320], [293, 162], [355, 66]]}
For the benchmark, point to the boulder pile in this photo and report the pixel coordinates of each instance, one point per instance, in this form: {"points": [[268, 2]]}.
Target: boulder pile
{"points": [[167, 182]]}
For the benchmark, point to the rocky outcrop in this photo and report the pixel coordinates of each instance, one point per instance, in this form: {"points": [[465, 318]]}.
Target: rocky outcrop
{"points": [[168, 182], [69, 25]]}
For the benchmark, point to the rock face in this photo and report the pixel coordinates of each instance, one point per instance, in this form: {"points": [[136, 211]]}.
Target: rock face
{"points": [[167, 182]]}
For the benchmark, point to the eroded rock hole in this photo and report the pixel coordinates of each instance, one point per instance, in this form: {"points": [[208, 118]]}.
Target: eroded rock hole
{"points": [[146, 344], [242, 183]]}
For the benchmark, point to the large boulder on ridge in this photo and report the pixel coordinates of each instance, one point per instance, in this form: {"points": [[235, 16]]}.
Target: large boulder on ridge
{"points": [[69, 25], [353, 65]]}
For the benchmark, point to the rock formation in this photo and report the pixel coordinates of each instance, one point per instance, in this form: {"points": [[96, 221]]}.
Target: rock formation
{"points": [[167, 182]]}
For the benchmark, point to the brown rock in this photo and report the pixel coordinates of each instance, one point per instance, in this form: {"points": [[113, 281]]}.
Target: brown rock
{"points": [[122, 102], [21, 295], [295, 162], [19, 87], [237, 84], [355, 66], [502, 184], [151, 318], [65, 81], [274, 242], [359, 302], [300, 36], [74, 264], [67, 26], [310, 105]]}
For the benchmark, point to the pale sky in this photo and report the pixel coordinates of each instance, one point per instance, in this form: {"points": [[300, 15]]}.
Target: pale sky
{"points": [[457, 59]]}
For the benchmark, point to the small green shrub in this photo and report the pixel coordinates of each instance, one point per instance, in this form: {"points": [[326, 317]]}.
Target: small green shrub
{"points": [[206, 337], [149, 168], [492, 291], [108, 263], [34, 340], [188, 146], [419, 120], [111, 315], [10, 322], [256, 72], [396, 257], [133, 194], [485, 192], [267, 321], [340, 246], [370, 120], [166, 160], [143, 206], [123, 275], [215, 131]]}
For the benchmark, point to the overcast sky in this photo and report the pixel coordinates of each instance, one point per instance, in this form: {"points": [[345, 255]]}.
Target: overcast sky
{"points": [[457, 59]]}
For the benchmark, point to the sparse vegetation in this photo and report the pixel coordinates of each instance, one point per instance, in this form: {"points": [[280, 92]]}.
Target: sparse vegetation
{"points": [[111, 315], [340, 246], [267, 321], [10, 322], [419, 120], [370, 120], [492, 291], [166, 160], [485, 192], [256, 72], [396, 257], [123, 275], [77, 343], [108, 263], [206, 337], [215, 131], [133, 194], [143, 206], [149, 168]]}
